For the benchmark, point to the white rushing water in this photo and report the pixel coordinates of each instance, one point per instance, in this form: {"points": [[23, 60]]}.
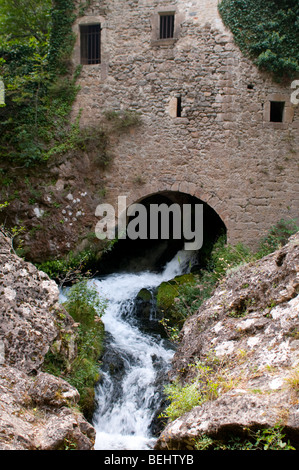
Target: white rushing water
{"points": [[127, 404]]}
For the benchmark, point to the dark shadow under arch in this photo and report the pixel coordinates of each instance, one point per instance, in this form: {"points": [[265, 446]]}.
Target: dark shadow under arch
{"points": [[136, 255]]}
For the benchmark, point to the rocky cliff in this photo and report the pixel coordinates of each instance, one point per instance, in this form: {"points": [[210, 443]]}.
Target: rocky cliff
{"points": [[241, 350], [36, 409]]}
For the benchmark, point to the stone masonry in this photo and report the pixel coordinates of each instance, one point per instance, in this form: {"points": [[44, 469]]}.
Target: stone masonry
{"points": [[222, 148]]}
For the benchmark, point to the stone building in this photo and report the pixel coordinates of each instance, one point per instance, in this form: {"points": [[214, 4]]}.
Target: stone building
{"points": [[212, 125]]}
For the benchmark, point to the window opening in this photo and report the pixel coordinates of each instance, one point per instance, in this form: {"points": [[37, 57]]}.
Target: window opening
{"points": [[179, 107], [276, 111], [166, 26], [90, 44]]}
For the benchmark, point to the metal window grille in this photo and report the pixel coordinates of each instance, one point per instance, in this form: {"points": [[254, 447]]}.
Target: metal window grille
{"points": [[90, 44], [166, 26]]}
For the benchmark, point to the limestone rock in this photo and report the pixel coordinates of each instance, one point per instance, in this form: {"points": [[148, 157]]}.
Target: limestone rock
{"points": [[37, 410], [31, 317], [245, 341], [34, 415]]}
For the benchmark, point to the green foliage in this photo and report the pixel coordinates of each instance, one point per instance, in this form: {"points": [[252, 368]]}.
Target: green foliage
{"points": [[124, 119], [84, 302], [23, 19], [226, 257], [277, 236], [182, 296], [267, 32], [263, 439], [70, 268], [40, 83], [182, 399], [86, 306]]}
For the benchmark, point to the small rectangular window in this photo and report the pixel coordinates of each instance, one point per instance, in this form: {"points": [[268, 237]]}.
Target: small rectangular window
{"points": [[179, 107], [276, 111], [166, 26], [90, 36]]}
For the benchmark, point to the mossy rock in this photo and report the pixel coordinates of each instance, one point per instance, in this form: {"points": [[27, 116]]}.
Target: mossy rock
{"points": [[145, 295], [168, 291]]}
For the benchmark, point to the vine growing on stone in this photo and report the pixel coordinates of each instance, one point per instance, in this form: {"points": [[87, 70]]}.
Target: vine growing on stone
{"points": [[267, 32]]}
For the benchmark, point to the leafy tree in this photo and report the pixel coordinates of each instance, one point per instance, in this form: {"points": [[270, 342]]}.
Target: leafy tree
{"points": [[35, 37], [24, 19]]}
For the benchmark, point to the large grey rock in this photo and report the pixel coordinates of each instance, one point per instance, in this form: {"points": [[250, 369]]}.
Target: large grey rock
{"points": [[245, 342], [37, 410], [35, 413], [30, 315]]}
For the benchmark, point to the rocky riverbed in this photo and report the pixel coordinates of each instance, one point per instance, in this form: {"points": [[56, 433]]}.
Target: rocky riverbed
{"points": [[244, 341]]}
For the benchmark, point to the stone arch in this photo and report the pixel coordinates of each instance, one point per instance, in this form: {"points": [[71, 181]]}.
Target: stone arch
{"points": [[159, 251], [191, 189]]}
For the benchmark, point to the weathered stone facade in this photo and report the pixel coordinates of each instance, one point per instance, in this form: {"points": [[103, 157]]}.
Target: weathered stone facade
{"points": [[223, 147]]}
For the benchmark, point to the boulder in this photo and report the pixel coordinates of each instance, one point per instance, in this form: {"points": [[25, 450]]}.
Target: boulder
{"points": [[37, 410], [242, 345], [35, 413]]}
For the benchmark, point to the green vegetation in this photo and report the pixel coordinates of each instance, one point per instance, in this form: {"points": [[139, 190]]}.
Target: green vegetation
{"points": [[209, 378], [70, 268], [182, 399], [36, 46], [86, 307], [200, 390], [267, 32], [121, 120], [40, 81], [263, 439]]}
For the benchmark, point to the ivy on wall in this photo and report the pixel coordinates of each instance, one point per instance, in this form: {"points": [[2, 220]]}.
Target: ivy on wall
{"points": [[267, 32]]}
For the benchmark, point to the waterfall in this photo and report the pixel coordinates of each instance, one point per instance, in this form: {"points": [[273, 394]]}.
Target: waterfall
{"points": [[128, 394]]}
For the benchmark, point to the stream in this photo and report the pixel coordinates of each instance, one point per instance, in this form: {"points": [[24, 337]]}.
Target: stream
{"points": [[136, 360]]}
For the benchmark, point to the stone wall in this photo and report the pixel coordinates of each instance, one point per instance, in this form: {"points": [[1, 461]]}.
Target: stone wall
{"points": [[223, 148]]}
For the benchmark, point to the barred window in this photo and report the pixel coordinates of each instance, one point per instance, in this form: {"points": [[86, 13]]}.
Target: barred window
{"points": [[90, 37], [166, 26]]}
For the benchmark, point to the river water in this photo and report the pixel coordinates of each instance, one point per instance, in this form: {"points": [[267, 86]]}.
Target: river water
{"points": [[135, 363]]}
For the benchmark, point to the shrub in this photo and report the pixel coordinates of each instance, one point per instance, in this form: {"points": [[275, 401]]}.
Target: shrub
{"points": [[123, 119], [84, 303], [86, 307], [182, 399], [263, 439]]}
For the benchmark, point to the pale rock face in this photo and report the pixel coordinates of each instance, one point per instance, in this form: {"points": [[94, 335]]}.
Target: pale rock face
{"points": [[253, 359], [37, 409]]}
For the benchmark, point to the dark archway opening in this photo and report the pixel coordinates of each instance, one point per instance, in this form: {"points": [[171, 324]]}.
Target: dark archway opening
{"points": [[152, 254]]}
